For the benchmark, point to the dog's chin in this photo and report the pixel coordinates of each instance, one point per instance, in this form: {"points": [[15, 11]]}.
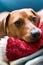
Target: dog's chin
{"points": [[33, 40]]}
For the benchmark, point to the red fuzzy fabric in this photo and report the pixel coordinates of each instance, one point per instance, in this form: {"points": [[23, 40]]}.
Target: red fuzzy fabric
{"points": [[17, 48]]}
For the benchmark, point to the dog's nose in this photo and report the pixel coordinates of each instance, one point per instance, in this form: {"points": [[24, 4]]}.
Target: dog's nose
{"points": [[35, 33]]}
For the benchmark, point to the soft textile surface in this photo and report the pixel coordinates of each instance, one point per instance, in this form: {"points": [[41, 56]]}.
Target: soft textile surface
{"points": [[17, 48], [29, 58], [36, 61]]}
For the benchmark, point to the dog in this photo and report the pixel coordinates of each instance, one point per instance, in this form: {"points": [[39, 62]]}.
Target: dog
{"points": [[22, 24]]}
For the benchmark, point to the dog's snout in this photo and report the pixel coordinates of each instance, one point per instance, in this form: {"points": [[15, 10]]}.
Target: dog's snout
{"points": [[35, 33]]}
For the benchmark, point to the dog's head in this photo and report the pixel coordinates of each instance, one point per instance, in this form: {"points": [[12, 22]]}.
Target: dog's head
{"points": [[23, 24]]}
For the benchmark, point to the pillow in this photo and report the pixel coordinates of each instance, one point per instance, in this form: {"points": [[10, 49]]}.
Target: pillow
{"points": [[17, 48]]}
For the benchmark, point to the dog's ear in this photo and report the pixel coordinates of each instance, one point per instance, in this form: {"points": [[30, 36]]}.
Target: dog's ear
{"points": [[35, 13], [32, 11], [5, 22]]}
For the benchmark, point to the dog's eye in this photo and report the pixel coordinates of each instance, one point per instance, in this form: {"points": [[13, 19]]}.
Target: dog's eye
{"points": [[34, 19], [19, 23]]}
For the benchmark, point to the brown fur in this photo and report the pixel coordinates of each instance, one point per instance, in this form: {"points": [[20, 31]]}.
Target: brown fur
{"points": [[23, 31]]}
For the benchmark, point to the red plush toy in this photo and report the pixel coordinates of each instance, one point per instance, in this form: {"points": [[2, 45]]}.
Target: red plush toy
{"points": [[17, 48]]}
